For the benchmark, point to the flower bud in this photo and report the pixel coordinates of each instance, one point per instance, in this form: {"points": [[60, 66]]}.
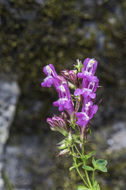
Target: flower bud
{"points": [[62, 152], [73, 76], [65, 74], [64, 116], [58, 124], [70, 75], [70, 137], [79, 65]]}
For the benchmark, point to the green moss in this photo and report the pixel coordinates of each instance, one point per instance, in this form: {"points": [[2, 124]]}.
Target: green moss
{"points": [[58, 32]]}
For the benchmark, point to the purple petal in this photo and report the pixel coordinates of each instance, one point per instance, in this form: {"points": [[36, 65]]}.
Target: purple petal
{"points": [[77, 92], [90, 66], [49, 70], [93, 111], [48, 82]]}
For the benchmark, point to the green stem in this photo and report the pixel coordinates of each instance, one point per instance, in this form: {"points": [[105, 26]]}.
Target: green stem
{"points": [[77, 150], [76, 166], [86, 173], [93, 176]]}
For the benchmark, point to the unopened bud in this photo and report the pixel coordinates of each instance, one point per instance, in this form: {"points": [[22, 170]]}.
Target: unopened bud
{"points": [[63, 152], [62, 146], [79, 65], [70, 137], [64, 116], [72, 76], [65, 73], [57, 123]]}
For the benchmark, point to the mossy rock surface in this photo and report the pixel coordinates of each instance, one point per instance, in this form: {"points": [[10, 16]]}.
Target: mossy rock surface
{"points": [[35, 33]]}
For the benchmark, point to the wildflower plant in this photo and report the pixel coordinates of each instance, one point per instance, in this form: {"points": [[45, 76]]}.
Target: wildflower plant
{"points": [[77, 93]]}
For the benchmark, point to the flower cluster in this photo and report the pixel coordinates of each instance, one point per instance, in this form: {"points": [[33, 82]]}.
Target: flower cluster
{"points": [[79, 107], [87, 91], [77, 93]]}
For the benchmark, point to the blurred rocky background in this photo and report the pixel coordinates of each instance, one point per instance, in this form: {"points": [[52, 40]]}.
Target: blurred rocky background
{"points": [[34, 33]]}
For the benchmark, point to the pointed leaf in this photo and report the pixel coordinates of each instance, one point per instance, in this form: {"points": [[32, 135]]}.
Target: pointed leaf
{"points": [[102, 168], [88, 168], [96, 186], [93, 162], [81, 187], [101, 162], [90, 154], [87, 156]]}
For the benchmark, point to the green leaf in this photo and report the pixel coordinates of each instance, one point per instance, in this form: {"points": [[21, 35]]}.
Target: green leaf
{"points": [[102, 168], [93, 162], [71, 168], [96, 186], [88, 168], [87, 156], [81, 187], [101, 162], [90, 154]]}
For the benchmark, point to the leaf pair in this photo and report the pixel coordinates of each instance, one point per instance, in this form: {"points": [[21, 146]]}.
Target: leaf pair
{"points": [[100, 164], [87, 156]]}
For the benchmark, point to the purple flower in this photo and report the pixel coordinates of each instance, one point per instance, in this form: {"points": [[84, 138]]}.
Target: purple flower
{"points": [[56, 121], [49, 70], [57, 124], [64, 102], [86, 114], [88, 87], [89, 68]]}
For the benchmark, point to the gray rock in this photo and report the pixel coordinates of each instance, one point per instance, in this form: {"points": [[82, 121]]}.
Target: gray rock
{"points": [[117, 140], [28, 163], [9, 93], [41, 2]]}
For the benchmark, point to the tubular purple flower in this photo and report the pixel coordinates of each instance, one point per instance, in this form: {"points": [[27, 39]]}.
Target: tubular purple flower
{"points": [[86, 114], [89, 68], [86, 90], [88, 87], [49, 70], [64, 102], [59, 82], [84, 117]]}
